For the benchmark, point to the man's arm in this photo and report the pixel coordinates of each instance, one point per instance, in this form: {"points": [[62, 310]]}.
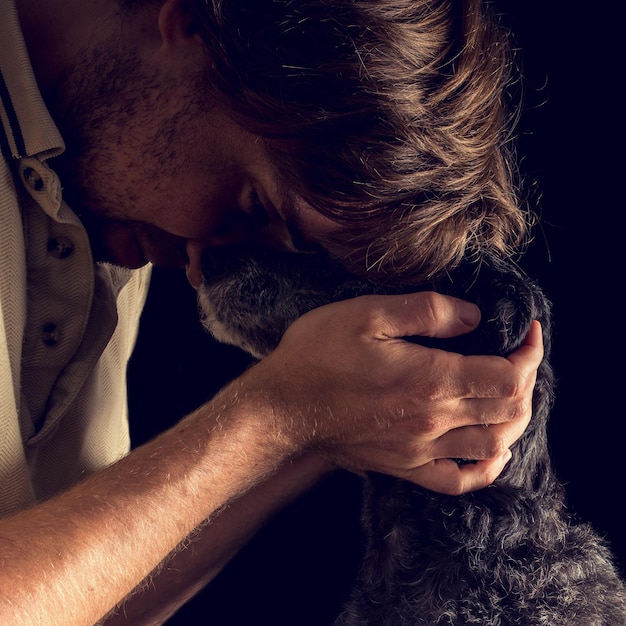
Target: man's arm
{"points": [[341, 383], [210, 548]]}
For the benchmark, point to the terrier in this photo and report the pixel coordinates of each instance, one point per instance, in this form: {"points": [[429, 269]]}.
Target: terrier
{"points": [[507, 554]]}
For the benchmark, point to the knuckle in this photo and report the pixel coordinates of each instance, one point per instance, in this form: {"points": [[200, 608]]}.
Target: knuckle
{"points": [[436, 386], [369, 320], [430, 424], [520, 409], [525, 407], [456, 488], [432, 307], [437, 392], [485, 477], [488, 477], [495, 446], [513, 385], [519, 384], [426, 423]]}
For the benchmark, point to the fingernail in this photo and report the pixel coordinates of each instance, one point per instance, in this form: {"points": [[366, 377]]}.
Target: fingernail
{"points": [[468, 313]]}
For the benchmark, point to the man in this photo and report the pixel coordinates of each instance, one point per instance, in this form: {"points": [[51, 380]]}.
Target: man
{"points": [[157, 167]]}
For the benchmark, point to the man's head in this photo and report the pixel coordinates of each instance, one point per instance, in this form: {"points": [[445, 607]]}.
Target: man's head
{"points": [[388, 116], [374, 127]]}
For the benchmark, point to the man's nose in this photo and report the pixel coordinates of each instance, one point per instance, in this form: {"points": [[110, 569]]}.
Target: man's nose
{"points": [[194, 248]]}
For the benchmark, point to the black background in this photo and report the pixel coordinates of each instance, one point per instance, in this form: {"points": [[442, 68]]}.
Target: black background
{"points": [[298, 568]]}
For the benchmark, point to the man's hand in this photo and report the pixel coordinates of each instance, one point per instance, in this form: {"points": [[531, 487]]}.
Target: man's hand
{"points": [[344, 381]]}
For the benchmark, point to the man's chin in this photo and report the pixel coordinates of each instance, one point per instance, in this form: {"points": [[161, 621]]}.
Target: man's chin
{"points": [[116, 243], [134, 244]]}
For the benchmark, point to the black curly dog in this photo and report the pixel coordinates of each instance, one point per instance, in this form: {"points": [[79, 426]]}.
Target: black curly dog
{"points": [[508, 554]]}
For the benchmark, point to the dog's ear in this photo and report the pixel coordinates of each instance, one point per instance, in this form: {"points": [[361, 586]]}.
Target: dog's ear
{"points": [[508, 300]]}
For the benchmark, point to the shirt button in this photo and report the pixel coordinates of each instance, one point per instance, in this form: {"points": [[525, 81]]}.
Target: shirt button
{"points": [[33, 179], [60, 247], [50, 334]]}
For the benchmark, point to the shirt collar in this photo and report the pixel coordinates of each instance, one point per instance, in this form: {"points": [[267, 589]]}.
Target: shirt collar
{"points": [[26, 128]]}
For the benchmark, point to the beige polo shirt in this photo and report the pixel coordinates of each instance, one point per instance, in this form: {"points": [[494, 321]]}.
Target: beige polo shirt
{"points": [[67, 325]]}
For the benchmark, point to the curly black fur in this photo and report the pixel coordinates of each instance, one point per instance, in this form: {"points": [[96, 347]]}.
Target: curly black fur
{"points": [[508, 554]]}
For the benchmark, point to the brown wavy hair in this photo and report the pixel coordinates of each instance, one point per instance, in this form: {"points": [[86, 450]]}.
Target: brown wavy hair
{"points": [[391, 116]]}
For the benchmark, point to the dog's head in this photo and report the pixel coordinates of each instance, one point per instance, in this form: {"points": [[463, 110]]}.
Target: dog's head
{"points": [[251, 295]]}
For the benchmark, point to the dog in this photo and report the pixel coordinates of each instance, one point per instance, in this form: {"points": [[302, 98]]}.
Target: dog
{"points": [[509, 554]]}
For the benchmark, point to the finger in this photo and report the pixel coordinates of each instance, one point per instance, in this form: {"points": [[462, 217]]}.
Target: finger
{"points": [[480, 376], [472, 477], [427, 314], [480, 442], [447, 476], [524, 362], [500, 410], [530, 354]]}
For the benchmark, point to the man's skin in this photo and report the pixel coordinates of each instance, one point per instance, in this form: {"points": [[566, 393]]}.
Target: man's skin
{"points": [[158, 174]]}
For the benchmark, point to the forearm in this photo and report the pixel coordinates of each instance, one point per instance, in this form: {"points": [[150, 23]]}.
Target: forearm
{"points": [[204, 554], [73, 558]]}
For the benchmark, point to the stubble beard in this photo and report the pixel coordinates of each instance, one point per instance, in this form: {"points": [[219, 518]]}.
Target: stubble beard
{"points": [[106, 106]]}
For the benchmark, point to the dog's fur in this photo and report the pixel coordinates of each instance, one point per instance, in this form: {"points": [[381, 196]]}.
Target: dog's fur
{"points": [[508, 554]]}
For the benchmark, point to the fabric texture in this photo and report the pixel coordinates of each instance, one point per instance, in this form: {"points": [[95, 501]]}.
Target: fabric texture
{"points": [[67, 325]]}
